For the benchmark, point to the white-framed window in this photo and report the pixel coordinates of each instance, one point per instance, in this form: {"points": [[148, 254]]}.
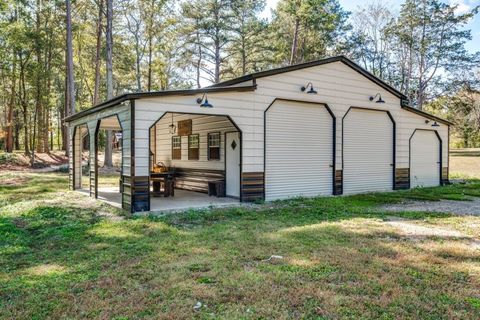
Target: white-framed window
{"points": [[214, 146], [176, 147], [193, 145], [177, 142]]}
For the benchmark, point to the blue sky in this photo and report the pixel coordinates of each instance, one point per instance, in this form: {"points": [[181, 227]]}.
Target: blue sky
{"points": [[464, 5]]}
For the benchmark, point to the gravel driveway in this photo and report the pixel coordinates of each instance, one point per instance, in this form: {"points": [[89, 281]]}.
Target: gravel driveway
{"points": [[447, 206]]}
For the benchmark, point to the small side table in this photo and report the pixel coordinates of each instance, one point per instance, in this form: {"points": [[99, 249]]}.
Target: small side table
{"points": [[216, 188]]}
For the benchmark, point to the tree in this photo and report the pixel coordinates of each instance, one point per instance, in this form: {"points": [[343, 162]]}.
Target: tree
{"points": [[433, 36], [308, 29], [98, 48], [248, 48], [109, 43], [373, 45], [69, 65]]}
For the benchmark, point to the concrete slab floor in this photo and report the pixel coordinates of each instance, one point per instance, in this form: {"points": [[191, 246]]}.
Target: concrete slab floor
{"points": [[183, 200]]}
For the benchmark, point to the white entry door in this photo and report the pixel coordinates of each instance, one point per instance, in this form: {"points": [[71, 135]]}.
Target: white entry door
{"points": [[232, 164], [424, 159]]}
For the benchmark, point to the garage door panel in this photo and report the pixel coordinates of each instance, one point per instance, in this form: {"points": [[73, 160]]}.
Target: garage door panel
{"points": [[299, 151], [367, 151], [424, 159]]}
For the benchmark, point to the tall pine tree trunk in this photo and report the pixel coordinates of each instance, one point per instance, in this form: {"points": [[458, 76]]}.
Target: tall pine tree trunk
{"points": [[96, 93], [70, 81], [109, 44], [11, 105], [293, 54]]}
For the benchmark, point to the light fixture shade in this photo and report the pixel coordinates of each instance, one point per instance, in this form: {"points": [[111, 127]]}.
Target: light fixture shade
{"points": [[435, 124], [172, 128], [206, 104], [379, 100], [311, 91]]}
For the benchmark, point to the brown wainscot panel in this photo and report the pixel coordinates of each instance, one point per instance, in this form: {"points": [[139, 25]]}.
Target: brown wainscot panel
{"points": [[140, 193], [253, 188], [445, 178], [402, 178], [338, 182]]}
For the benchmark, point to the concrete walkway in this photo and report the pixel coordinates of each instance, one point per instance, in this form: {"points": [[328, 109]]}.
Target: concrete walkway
{"points": [[183, 200]]}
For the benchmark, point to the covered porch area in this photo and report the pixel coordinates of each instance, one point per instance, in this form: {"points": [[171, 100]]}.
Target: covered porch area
{"points": [[194, 162]]}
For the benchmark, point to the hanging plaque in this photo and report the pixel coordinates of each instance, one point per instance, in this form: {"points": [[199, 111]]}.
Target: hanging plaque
{"points": [[185, 127]]}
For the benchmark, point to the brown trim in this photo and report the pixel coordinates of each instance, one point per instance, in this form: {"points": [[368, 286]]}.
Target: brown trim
{"points": [[447, 180], [402, 178], [334, 139], [72, 169], [394, 128], [427, 115], [252, 186], [133, 96], [219, 146], [95, 161]]}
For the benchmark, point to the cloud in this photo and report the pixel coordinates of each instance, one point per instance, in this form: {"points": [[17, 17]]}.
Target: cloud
{"points": [[463, 6]]}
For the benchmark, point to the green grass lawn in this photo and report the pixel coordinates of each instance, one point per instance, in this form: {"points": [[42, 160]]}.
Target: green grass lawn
{"points": [[63, 255]]}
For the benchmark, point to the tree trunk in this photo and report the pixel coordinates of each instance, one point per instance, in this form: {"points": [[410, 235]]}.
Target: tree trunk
{"points": [[109, 45], [11, 105], [150, 53], [199, 61], [96, 92], [295, 42], [24, 103], [70, 81]]}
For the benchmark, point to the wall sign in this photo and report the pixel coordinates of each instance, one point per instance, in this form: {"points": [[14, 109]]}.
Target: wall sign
{"points": [[185, 127]]}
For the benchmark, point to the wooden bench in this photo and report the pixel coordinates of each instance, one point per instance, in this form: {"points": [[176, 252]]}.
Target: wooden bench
{"points": [[196, 179]]}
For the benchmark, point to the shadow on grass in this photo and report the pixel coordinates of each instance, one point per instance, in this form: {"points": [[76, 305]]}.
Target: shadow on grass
{"points": [[64, 261]]}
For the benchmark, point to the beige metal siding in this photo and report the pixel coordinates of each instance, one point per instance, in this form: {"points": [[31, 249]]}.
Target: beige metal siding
{"points": [[341, 87], [238, 105], [201, 125], [367, 151], [299, 154], [425, 159]]}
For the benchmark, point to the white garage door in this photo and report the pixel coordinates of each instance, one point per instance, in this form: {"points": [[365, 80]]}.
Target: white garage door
{"points": [[424, 159], [298, 155], [367, 151]]}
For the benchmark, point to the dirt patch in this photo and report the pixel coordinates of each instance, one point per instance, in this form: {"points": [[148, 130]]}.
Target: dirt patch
{"points": [[21, 162], [445, 206], [411, 229], [13, 181]]}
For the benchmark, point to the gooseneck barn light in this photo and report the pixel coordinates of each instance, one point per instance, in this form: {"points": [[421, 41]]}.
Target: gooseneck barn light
{"points": [[311, 91], [205, 103], [379, 100], [434, 124]]}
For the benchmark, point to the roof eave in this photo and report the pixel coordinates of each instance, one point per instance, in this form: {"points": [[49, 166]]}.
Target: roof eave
{"points": [[133, 96]]}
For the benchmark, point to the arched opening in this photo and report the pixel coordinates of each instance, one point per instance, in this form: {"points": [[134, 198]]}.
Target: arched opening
{"points": [[194, 161], [108, 177]]}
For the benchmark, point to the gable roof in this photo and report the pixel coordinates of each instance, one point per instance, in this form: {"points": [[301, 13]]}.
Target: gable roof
{"points": [[227, 86], [404, 103], [300, 66]]}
